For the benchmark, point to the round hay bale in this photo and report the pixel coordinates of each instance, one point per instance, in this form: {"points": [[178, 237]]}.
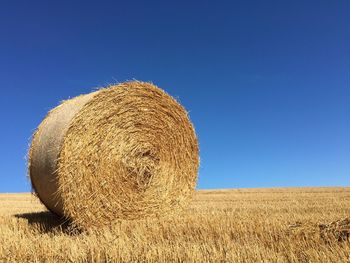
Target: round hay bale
{"points": [[128, 151]]}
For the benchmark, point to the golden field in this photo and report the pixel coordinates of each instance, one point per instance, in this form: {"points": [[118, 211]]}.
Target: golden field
{"points": [[243, 225]]}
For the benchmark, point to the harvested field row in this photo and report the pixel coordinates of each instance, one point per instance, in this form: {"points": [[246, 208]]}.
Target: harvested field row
{"points": [[245, 225]]}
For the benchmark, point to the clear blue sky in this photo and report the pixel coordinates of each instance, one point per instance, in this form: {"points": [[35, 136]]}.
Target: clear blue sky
{"points": [[267, 83]]}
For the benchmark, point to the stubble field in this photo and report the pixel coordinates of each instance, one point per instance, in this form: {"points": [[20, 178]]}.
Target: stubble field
{"points": [[243, 225]]}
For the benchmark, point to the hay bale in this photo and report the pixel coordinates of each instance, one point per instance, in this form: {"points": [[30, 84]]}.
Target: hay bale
{"points": [[124, 152]]}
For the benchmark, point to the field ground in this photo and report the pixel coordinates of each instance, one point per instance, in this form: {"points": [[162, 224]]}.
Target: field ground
{"points": [[243, 225]]}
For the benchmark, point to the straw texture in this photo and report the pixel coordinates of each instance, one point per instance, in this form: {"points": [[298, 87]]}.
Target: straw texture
{"points": [[124, 152]]}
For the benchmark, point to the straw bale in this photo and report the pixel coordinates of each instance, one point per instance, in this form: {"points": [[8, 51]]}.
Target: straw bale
{"points": [[127, 151]]}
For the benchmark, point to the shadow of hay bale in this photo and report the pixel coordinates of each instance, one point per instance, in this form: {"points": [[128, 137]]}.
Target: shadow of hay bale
{"points": [[47, 222]]}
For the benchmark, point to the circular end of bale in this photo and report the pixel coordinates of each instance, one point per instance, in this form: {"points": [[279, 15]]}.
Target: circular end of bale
{"points": [[129, 152]]}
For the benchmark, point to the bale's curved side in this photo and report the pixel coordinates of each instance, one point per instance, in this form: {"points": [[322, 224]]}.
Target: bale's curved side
{"points": [[45, 148]]}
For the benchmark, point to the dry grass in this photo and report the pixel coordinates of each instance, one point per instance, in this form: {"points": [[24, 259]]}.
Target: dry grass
{"points": [[252, 225]]}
